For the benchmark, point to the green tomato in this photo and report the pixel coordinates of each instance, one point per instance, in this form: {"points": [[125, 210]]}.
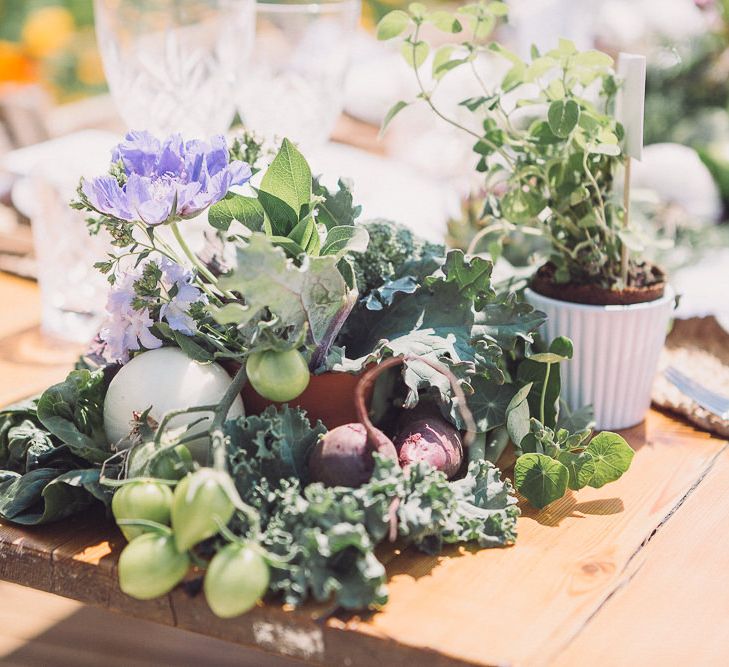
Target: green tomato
{"points": [[150, 566], [236, 579], [199, 505], [278, 376], [142, 500], [172, 464]]}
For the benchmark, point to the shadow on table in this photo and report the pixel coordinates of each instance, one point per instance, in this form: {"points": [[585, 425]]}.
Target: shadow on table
{"points": [[91, 637]]}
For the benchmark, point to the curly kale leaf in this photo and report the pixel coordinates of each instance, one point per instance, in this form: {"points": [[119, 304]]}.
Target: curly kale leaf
{"points": [[450, 319], [272, 446], [393, 254]]}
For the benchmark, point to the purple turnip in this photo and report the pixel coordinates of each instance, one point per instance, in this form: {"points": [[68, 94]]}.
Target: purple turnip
{"points": [[343, 457]]}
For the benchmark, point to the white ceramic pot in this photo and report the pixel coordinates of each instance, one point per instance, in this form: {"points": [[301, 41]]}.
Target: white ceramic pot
{"points": [[616, 354]]}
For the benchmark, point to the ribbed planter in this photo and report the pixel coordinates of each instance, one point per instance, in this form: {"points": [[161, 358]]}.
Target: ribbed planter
{"points": [[616, 354]]}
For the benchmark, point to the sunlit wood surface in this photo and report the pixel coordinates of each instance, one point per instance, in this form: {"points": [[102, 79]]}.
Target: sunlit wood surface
{"points": [[634, 573]]}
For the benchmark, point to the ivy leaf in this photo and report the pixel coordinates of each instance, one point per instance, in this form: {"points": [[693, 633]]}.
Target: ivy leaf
{"points": [[392, 24], [563, 116], [612, 456], [246, 210], [581, 468], [540, 479]]}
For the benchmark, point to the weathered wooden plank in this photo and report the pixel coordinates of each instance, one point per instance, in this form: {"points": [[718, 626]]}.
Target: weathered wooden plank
{"points": [[520, 605], [19, 304], [671, 606]]}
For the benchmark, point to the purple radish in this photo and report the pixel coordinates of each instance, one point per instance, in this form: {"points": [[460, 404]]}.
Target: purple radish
{"points": [[433, 440], [343, 456]]}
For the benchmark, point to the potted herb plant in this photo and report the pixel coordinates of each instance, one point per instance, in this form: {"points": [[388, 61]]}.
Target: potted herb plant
{"points": [[549, 143]]}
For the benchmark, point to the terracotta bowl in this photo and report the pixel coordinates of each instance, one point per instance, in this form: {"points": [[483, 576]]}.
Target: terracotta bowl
{"points": [[329, 397]]}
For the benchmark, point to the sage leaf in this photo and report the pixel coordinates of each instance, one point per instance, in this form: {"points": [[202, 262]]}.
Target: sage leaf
{"points": [[233, 207]]}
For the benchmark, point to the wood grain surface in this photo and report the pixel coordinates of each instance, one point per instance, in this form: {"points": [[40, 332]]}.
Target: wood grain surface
{"points": [[633, 573]]}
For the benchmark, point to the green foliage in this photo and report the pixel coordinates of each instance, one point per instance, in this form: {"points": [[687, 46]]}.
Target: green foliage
{"points": [[47, 474], [556, 151], [553, 461]]}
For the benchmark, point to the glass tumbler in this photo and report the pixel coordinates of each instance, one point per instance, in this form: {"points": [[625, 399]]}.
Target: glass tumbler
{"points": [[293, 85], [172, 65]]}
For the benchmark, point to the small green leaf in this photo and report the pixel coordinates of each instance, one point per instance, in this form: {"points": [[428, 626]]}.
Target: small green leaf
{"points": [[540, 479], [191, 348], [246, 210], [612, 455], [445, 21], [417, 9], [612, 150], [517, 415], [344, 239], [415, 54], [547, 358], [562, 346], [391, 25], [581, 468], [563, 116], [394, 110], [498, 8], [593, 58]]}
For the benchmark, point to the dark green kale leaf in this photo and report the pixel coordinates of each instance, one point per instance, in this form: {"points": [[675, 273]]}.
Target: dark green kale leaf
{"points": [[73, 411]]}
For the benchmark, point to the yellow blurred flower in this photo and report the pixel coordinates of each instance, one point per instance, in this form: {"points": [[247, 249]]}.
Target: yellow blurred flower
{"points": [[47, 30], [15, 66], [89, 68]]}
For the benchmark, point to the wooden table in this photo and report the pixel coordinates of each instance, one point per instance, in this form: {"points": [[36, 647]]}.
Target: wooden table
{"points": [[633, 573]]}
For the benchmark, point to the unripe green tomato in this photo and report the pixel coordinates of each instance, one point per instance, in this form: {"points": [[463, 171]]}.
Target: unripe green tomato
{"points": [[199, 505], [172, 464], [150, 566], [278, 376], [147, 500], [236, 579]]}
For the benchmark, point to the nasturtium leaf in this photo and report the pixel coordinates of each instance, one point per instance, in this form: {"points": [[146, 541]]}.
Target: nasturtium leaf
{"points": [[489, 403], [392, 24], [562, 346], [547, 358], [581, 468], [445, 21], [392, 112], [246, 210], [612, 456], [563, 116], [540, 479], [414, 53]]}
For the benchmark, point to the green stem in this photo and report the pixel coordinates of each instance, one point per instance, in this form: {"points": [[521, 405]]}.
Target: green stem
{"points": [[543, 398], [217, 436]]}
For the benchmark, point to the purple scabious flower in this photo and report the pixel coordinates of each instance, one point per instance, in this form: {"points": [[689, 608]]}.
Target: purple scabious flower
{"points": [[131, 317], [165, 180]]}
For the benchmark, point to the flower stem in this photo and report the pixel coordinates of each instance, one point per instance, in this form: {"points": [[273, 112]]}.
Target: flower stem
{"points": [[543, 398], [217, 437], [201, 268]]}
